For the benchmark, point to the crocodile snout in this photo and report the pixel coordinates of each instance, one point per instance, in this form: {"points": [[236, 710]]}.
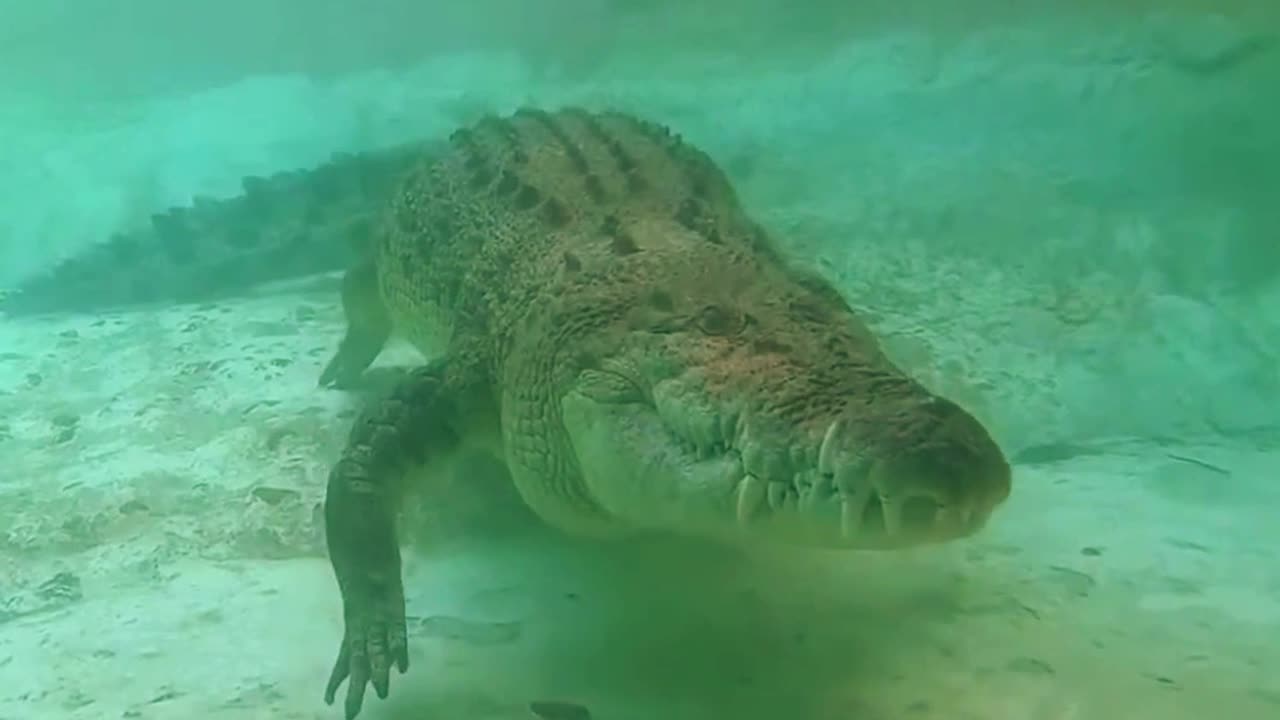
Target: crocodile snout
{"points": [[926, 475], [938, 482], [928, 498]]}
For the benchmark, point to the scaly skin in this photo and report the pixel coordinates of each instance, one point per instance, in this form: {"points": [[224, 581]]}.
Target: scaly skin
{"points": [[288, 225], [625, 335]]}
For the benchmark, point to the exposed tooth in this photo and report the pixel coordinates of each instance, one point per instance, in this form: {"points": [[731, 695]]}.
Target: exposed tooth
{"points": [[849, 518], [827, 451], [777, 495], [742, 433], [751, 492], [851, 513]]}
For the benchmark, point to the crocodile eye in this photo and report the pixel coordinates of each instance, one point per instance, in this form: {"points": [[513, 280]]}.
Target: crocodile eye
{"points": [[715, 320]]}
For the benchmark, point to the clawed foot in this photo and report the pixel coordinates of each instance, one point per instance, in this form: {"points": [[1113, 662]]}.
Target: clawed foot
{"points": [[375, 638]]}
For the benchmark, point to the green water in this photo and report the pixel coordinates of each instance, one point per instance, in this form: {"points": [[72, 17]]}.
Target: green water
{"points": [[1061, 216]]}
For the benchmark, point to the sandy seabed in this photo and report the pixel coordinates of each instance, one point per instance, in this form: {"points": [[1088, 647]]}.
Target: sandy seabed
{"points": [[160, 557]]}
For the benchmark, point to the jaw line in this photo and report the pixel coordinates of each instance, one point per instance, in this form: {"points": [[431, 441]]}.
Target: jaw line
{"points": [[636, 468], [631, 465], [640, 459]]}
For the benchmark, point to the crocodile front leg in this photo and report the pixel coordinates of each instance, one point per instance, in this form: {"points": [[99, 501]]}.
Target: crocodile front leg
{"points": [[416, 422]]}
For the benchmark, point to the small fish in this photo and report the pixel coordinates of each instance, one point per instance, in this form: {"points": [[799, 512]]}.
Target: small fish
{"points": [[558, 710]]}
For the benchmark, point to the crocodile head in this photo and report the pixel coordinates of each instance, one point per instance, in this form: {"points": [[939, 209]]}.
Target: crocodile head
{"points": [[750, 401]]}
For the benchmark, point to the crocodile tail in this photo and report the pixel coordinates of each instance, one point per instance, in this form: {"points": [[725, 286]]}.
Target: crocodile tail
{"points": [[285, 226]]}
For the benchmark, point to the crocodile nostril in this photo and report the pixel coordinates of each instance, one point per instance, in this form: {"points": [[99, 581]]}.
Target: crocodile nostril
{"points": [[919, 513]]}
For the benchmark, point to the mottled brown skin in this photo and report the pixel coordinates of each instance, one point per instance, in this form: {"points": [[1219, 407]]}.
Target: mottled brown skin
{"points": [[618, 329]]}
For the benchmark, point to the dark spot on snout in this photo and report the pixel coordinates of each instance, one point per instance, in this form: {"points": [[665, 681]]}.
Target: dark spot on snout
{"points": [[623, 244], [766, 346], [619, 240], [527, 197], [556, 214], [661, 300], [508, 183]]}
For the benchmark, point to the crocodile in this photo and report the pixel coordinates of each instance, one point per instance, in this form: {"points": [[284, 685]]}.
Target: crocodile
{"points": [[617, 329]]}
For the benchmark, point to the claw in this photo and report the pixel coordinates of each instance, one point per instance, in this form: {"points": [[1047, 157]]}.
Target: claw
{"points": [[827, 450], [851, 507], [355, 690], [341, 669]]}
